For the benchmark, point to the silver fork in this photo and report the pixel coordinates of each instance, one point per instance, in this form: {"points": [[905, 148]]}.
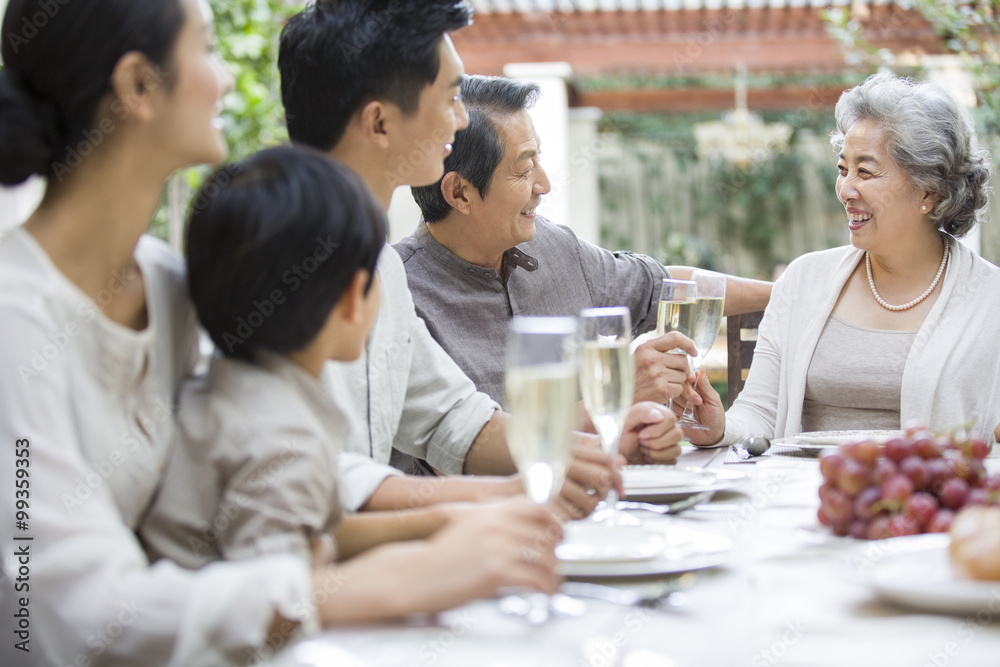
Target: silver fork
{"points": [[668, 508], [664, 595]]}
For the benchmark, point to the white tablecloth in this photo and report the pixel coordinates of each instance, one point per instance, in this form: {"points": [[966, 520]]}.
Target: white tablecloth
{"points": [[787, 597]]}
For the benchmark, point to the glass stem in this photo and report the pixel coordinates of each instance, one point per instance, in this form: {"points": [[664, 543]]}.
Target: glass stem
{"points": [[611, 449], [612, 501], [688, 413]]}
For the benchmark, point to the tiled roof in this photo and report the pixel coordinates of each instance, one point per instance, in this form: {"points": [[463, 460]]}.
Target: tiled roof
{"points": [[530, 6]]}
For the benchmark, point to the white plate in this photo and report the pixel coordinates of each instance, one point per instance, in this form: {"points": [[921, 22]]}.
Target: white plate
{"points": [[916, 572], [587, 542], [683, 549], [823, 439], [677, 481]]}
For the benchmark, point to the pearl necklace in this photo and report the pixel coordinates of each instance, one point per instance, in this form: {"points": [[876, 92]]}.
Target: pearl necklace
{"points": [[909, 304]]}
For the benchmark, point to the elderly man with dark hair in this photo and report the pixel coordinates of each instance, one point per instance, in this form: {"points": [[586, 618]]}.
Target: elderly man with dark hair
{"points": [[481, 253]]}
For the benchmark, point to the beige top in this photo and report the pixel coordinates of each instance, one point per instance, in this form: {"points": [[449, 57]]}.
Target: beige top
{"points": [[254, 467], [835, 400]]}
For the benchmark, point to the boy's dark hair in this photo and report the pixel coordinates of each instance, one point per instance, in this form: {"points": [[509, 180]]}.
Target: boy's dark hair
{"points": [[272, 243], [338, 55], [478, 149]]}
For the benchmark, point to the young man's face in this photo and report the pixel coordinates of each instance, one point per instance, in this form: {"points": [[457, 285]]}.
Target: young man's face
{"points": [[427, 134]]}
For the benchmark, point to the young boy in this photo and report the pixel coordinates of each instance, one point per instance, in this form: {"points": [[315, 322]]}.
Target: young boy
{"points": [[281, 261]]}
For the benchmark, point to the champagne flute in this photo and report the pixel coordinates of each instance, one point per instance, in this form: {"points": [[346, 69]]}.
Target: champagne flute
{"points": [[676, 311], [710, 300], [607, 379], [540, 393]]}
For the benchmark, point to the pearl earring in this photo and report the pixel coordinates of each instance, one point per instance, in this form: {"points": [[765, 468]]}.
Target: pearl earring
{"points": [[923, 208]]}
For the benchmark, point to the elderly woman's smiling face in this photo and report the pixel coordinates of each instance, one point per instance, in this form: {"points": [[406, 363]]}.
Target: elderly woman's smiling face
{"points": [[881, 201]]}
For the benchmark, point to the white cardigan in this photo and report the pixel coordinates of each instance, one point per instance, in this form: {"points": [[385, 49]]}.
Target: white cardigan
{"points": [[952, 373]]}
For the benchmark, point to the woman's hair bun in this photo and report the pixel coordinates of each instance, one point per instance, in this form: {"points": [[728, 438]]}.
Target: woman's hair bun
{"points": [[29, 133]]}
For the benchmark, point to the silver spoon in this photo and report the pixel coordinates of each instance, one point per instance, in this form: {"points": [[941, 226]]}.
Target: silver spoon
{"points": [[753, 446]]}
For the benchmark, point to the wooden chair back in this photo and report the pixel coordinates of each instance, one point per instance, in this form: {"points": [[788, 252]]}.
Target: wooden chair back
{"points": [[740, 349]]}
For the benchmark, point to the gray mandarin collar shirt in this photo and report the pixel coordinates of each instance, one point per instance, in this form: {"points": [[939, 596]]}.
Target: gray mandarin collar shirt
{"points": [[467, 308]]}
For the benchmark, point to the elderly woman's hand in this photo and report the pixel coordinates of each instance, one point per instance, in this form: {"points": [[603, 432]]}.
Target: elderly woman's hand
{"points": [[710, 412], [650, 435]]}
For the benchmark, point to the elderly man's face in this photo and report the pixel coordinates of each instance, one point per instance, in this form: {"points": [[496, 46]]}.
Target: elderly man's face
{"points": [[506, 216]]}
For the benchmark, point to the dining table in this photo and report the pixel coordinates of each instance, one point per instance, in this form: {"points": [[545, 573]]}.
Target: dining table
{"points": [[786, 592]]}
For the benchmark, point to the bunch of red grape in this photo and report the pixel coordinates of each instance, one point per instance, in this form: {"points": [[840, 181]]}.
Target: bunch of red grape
{"points": [[912, 484]]}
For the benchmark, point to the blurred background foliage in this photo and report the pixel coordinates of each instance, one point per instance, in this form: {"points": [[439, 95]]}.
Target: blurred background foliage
{"points": [[969, 29], [759, 205], [247, 33], [658, 197]]}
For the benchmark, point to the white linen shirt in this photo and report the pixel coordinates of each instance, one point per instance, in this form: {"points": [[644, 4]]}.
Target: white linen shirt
{"points": [[404, 392], [95, 401], [952, 371]]}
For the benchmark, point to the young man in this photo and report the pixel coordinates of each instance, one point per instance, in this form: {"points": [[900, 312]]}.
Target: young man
{"points": [[482, 255], [377, 85]]}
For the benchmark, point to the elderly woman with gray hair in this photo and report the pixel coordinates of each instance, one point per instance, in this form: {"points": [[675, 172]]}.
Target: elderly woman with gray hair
{"points": [[901, 325]]}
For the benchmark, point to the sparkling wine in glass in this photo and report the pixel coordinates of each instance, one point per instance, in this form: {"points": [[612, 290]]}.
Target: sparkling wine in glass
{"points": [[677, 311], [677, 307], [541, 390], [710, 300], [607, 380]]}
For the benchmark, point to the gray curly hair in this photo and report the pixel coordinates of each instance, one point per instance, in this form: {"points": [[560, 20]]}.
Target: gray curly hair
{"points": [[930, 137]]}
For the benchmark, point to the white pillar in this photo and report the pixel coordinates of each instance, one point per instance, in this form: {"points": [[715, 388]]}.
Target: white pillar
{"points": [[585, 148], [404, 214], [949, 72], [551, 118], [17, 203]]}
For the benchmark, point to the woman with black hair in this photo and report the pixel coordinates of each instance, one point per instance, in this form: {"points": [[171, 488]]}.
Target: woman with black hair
{"points": [[106, 99]]}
